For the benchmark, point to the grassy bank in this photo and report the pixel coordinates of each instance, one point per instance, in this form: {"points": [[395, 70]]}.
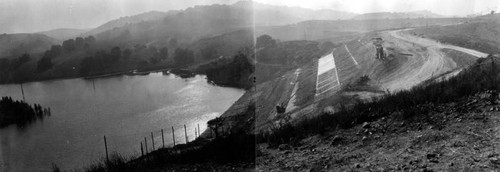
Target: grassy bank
{"points": [[235, 151]]}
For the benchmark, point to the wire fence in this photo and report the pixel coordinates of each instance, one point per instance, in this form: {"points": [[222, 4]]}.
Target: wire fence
{"points": [[165, 138]]}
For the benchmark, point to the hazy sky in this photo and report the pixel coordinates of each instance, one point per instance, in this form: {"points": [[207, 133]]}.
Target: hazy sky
{"points": [[18, 16], [443, 7], [39, 15]]}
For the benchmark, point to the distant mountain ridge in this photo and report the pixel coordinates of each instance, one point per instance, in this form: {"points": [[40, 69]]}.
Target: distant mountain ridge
{"points": [[186, 26], [397, 15], [122, 21], [13, 45], [273, 15], [64, 33]]}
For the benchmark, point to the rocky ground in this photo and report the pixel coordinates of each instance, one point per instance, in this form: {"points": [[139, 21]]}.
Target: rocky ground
{"points": [[463, 135]]}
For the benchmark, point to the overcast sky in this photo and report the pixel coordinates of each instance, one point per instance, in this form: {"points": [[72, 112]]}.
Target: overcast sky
{"points": [[443, 7], [20, 16]]}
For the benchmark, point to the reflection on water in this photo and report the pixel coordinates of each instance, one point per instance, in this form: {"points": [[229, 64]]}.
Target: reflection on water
{"points": [[125, 109]]}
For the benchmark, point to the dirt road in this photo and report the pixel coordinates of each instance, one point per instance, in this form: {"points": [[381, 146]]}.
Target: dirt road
{"points": [[427, 60]]}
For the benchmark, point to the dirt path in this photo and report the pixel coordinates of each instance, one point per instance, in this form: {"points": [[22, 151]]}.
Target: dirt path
{"points": [[434, 44]]}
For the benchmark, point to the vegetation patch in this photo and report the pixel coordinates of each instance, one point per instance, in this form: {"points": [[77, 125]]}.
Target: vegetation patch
{"points": [[19, 112]]}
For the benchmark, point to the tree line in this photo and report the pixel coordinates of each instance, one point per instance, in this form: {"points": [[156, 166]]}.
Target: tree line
{"points": [[67, 47]]}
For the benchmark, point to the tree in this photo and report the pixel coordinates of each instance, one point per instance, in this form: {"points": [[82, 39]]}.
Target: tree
{"points": [[142, 64], [116, 54], [4, 64], [20, 60], [164, 53], [79, 42], [327, 46], [209, 52], [44, 63], [153, 51], [154, 60], [264, 41], [139, 47], [89, 39], [127, 53], [69, 45], [56, 50], [24, 58], [183, 57]]}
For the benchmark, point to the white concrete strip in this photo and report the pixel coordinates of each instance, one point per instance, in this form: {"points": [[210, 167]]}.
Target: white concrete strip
{"points": [[326, 80], [291, 102], [355, 62], [336, 72], [331, 88], [325, 64]]}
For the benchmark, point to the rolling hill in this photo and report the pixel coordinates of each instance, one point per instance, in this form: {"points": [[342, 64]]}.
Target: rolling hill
{"points": [[13, 45], [329, 29], [198, 22], [273, 15], [186, 27], [479, 33], [64, 33], [122, 21], [397, 15], [223, 45]]}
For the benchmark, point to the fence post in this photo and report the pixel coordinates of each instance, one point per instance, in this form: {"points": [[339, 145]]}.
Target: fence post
{"points": [[199, 134], [22, 91], [146, 145], [195, 133], [162, 139], [152, 141], [185, 133], [106, 148], [142, 151], [173, 135]]}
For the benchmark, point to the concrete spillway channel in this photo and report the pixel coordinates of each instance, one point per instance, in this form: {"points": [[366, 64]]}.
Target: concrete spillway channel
{"points": [[327, 79]]}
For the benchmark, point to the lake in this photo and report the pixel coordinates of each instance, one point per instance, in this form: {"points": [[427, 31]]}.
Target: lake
{"points": [[125, 109]]}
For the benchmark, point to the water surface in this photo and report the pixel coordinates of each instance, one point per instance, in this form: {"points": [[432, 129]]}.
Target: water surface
{"points": [[125, 109]]}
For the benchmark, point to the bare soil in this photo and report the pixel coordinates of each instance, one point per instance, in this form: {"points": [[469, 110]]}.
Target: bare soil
{"points": [[458, 136]]}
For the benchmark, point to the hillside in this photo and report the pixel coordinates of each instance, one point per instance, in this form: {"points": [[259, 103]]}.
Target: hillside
{"points": [[227, 44], [345, 30], [441, 126], [274, 15], [397, 15], [13, 45], [189, 25], [64, 33], [122, 21], [185, 27], [478, 33]]}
